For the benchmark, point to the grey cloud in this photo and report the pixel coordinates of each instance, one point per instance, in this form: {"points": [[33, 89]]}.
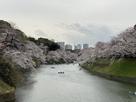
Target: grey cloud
{"points": [[40, 33], [78, 38], [46, 13], [89, 32]]}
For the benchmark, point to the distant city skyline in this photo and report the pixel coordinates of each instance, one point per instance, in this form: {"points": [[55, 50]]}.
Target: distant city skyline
{"points": [[72, 46]]}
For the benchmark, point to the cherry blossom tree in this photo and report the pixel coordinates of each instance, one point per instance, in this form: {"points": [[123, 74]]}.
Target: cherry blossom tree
{"points": [[123, 45]]}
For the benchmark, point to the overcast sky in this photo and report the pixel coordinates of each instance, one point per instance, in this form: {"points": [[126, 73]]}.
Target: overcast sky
{"points": [[79, 21]]}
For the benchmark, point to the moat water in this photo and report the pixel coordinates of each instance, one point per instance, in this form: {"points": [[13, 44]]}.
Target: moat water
{"points": [[73, 86]]}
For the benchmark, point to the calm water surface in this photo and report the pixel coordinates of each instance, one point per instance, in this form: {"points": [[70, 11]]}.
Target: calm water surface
{"points": [[73, 86]]}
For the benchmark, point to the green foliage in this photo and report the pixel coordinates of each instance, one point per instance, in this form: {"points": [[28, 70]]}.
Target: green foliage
{"points": [[20, 35], [61, 61], [5, 88], [8, 73], [118, 67], [51, 45], [52, 61], [32, 39], [4, 24], [44, 41], [37, 61]]}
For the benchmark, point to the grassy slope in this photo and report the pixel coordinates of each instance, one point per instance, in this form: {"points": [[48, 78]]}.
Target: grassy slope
{"points": [[5, 88], [118, 67], [9, 76]]}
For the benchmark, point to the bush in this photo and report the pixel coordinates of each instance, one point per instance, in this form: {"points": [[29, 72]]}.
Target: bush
{"points": [[8, 73], [4, 24], [32, 39], [54, 47], [51, 45]]}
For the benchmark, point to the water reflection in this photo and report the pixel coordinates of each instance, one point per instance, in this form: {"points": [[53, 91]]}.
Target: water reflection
{"points": [[23, 89]]}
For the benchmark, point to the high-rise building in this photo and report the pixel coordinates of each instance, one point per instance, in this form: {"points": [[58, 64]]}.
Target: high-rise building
{"points": [[61, 44], [75, 47], [68, 47], [85, 46], [78, 46]]}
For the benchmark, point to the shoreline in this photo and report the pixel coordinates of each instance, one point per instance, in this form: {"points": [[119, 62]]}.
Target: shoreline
{"points": [[131, 80], [7, 97]]}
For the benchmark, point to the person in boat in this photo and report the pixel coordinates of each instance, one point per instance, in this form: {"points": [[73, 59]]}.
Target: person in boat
{"points": [[52, 67], [61, 72]]}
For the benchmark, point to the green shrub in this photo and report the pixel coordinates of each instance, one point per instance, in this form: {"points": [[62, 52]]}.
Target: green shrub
{"points": [[51, 61], [4, 24], [8, 73], [32, 39], [37, 61], [5, 88], [51, 45]]}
